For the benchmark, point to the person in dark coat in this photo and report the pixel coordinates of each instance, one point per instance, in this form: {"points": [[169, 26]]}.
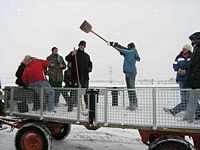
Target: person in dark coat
{"points": [[180, 65], [84, 67], [68, 84], [193, 80], [20, 71], [68, 76], [2, 106]]}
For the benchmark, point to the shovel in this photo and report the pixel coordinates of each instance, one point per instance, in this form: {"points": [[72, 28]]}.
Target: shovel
{"points": [[82, 103], [86, 27]]}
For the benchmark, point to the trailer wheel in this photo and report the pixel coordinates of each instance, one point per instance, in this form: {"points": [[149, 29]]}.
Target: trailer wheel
{"points": [[171, 143], [60, 131], [33, 136]]}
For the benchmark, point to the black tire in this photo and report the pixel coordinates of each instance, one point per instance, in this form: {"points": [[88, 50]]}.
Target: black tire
{"points": [[33, 136], [63, 133], [170, 142]]}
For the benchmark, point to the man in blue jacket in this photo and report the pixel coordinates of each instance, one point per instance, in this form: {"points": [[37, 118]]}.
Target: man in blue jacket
{"points": [[180, 65], [129, 68]]}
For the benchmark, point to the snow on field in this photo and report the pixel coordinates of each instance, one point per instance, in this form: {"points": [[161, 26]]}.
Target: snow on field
{"points": [[82, 139]]}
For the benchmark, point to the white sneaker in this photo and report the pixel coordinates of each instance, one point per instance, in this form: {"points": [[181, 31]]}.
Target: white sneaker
{"points": [[52, 112], [168, 110], [60, 105], [132, 108]]}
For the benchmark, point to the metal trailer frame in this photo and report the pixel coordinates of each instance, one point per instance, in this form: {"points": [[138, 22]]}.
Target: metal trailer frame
{"points": [[149, 118]]}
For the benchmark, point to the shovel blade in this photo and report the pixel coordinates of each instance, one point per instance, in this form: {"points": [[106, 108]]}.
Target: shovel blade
{"points": [[86, 27]]}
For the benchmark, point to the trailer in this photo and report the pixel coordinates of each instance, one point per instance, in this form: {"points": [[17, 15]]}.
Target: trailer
{"points": [[106, 108]]}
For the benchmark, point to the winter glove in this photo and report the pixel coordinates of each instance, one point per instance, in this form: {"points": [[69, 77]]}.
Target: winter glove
{"points": [[138, 58], [181, 72], [112, 43], [121, 53]]}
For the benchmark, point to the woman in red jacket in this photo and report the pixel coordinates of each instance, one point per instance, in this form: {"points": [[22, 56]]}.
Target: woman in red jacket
{"points": [[35, 78]]}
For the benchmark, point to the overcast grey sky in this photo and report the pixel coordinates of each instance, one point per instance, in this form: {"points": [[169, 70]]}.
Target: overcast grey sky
{"points": [[159, 28]]}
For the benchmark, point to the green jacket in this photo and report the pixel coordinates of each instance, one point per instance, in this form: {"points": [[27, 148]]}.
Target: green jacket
{"points": [[55, 72], [1, 97]]}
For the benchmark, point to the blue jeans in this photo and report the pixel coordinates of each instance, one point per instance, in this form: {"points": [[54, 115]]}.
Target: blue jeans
{"points": [[184, 99], [51, 93], [130, 82]]}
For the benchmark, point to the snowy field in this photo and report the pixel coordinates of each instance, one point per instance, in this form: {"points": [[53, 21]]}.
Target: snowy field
{"points": [[82, 139]]}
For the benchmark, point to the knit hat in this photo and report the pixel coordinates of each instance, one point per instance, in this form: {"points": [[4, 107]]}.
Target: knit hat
{"points": [[188, 46], [82, 43], [27, 58]]}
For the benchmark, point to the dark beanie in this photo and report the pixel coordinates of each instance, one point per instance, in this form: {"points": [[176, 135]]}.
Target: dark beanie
{"points": [[82, 43]]}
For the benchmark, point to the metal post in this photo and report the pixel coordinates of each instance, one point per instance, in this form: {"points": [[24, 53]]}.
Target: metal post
{"points": [[106, 108], [11, 99], [154, 108], [41, 98], [6, 100], [123, 99], [79, 104], [96, 111], [89, 104]]}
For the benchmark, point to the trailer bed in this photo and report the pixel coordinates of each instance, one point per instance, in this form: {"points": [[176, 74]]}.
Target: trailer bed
{"points": [[110, 108]]}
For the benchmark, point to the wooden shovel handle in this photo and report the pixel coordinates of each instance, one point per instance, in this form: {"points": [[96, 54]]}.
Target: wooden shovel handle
{"points": [[77, 71], [99, 36]]}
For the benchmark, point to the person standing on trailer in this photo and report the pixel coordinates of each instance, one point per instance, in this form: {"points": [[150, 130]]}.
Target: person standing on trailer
{"points": [[20, 71], [55, 72], [68, 84], [83, 67], [180, 65], [129, 68], [193, 80], [2, 110], [68, 76], [35, 78]]}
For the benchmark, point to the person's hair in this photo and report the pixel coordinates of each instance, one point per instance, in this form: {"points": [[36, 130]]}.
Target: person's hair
{"points": [[82, 43], [131, 45], [53, 48]]}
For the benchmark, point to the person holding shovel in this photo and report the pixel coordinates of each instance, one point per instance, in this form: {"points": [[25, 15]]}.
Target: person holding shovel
{"points": [[81, 66], [129, 68], [130, 57]]}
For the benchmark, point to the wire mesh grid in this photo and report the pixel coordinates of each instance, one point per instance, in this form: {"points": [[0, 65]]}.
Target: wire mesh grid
{"points": [[65, 101], [68, 103], [112, 106], [170, 108], [115, 107], [19, 99]]}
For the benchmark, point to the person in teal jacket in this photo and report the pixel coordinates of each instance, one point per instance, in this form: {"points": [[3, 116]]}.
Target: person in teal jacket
{"points": [[129, 68]]}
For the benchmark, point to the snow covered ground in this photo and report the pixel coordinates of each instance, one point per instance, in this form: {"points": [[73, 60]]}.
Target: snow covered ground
{"points": [[82, 139]]}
